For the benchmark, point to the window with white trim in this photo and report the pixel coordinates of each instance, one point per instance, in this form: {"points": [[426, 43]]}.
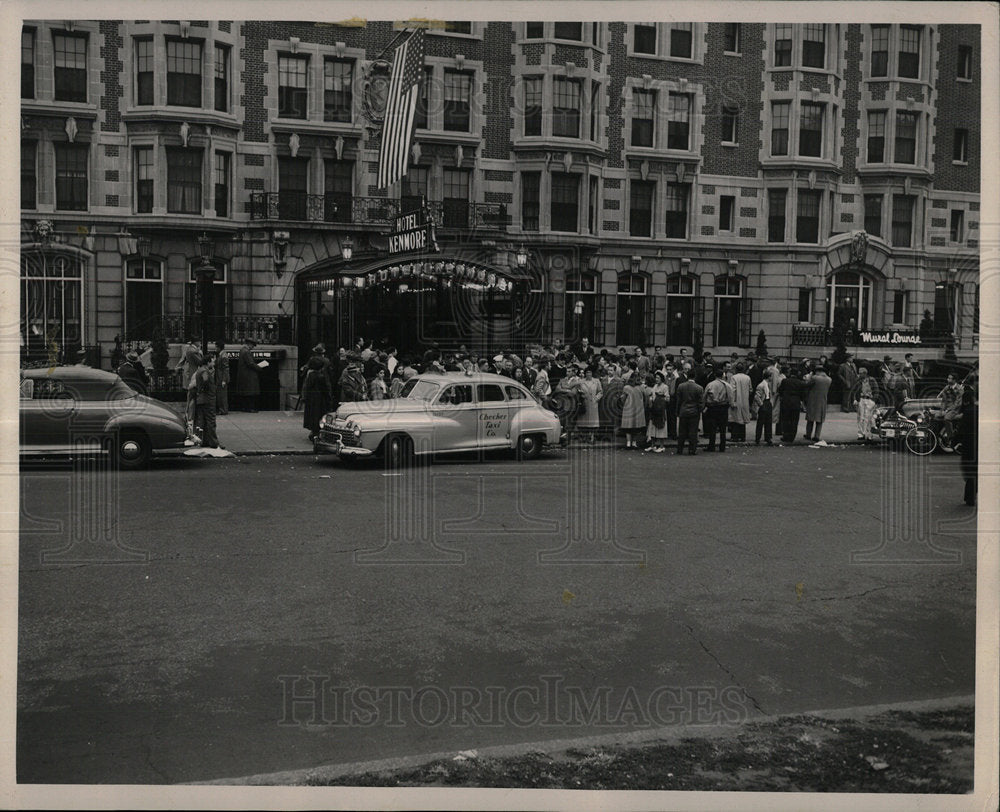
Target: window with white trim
{"points": [[338, 89], [27, 63], [143, 298], [184, 73], [780, 119], [682, 40], [220, 304], [51, 300], [565, 107], [960, 146], [580, 305], [679, 121], [145, 174], [849, 297], [730, 123], [293, 86], [643, 117], [964, 69], [676, 210], [70, 66], [731, 38], [644, 39], [814, 45], [144, 71]]}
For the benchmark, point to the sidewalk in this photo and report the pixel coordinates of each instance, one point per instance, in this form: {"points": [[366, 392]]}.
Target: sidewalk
{"points": [[281, 432]]}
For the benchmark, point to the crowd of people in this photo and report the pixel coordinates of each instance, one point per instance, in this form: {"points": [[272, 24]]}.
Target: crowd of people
{"points": [[653, 397]]}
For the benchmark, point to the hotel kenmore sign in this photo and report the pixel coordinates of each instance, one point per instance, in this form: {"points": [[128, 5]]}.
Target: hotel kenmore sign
{"points": [[413, 232], [888, 339]]}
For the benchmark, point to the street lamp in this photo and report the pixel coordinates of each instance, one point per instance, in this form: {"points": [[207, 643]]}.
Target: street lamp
{"points": [[347, 249], [522, 257], [205, 277]]}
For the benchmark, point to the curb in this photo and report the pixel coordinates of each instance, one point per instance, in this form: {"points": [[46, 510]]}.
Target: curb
{"points": [[628, 738]]}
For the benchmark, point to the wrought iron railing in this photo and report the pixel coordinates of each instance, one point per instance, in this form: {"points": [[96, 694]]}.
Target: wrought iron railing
{"points": [[179, 328], [811, 335], [298, 206]]}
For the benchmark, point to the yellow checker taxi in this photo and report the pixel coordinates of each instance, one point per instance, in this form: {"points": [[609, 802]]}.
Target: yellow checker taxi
{"points": [[440, 413]]}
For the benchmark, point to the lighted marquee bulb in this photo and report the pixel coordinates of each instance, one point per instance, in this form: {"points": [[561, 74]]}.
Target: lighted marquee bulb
{"points": [[491, 280], [346, 281], [359, 282]]}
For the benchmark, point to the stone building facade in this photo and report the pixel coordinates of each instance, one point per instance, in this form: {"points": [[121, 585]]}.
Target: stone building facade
{"points": [[637, 183]]}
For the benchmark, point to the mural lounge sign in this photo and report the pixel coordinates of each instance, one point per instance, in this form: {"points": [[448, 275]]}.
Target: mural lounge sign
{"points": [[413, 232], [868, 338]]}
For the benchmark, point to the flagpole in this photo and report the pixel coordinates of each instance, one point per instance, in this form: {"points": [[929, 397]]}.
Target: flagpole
{"points": [[391, 44]]}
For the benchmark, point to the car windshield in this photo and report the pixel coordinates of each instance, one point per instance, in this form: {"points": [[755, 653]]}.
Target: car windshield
{"points": [[420, 390]]}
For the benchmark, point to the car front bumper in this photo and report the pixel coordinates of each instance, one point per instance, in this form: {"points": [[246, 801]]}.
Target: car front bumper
{"points": [[353, 452]]}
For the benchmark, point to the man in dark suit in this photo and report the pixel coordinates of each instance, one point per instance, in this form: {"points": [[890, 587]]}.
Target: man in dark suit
{"points": [[690, 403], [248, 377], [847, 372]]}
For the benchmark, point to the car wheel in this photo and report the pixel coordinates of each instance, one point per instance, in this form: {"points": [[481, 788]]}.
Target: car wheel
{"points": [[132, 450], [397, 451], [921, 441], [529, 446]]}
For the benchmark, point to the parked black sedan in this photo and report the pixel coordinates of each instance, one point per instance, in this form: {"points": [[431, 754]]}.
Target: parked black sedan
{"points": [[76, 410]]}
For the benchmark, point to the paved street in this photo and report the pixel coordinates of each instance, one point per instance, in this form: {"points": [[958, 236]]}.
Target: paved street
{"points": [[165, 634]]}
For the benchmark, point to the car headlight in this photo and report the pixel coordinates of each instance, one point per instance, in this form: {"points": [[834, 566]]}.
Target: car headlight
{"points": [[353, 427], [323, 422]]}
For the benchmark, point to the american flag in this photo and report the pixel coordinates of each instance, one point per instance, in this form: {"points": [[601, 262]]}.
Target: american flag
{"points": [[397, 128]]}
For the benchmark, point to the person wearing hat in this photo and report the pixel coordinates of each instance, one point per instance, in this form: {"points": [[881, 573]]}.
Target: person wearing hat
{"points": [[221, 378], [353, 386], [847, 372], [129, 371], [316, 394], [248, 377], [204, 389]]}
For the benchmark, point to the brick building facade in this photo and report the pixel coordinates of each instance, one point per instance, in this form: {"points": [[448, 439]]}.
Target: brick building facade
{"points": [[636, 183]]}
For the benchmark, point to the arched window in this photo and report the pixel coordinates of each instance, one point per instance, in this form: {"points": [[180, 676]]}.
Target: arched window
{"points": [[682, 309], [143, 298], [580, 305], [632, 310], [51, 301], [849, 298], [731, 312]]}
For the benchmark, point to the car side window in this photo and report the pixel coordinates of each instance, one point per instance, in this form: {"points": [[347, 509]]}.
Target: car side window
{"points": [[489, 393], [513, 393], [456, 395]]}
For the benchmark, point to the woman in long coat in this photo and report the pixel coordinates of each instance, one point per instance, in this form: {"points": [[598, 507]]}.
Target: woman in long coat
{"points": [[790, 393], [633, 410], [591, 392], [316, 394]]}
